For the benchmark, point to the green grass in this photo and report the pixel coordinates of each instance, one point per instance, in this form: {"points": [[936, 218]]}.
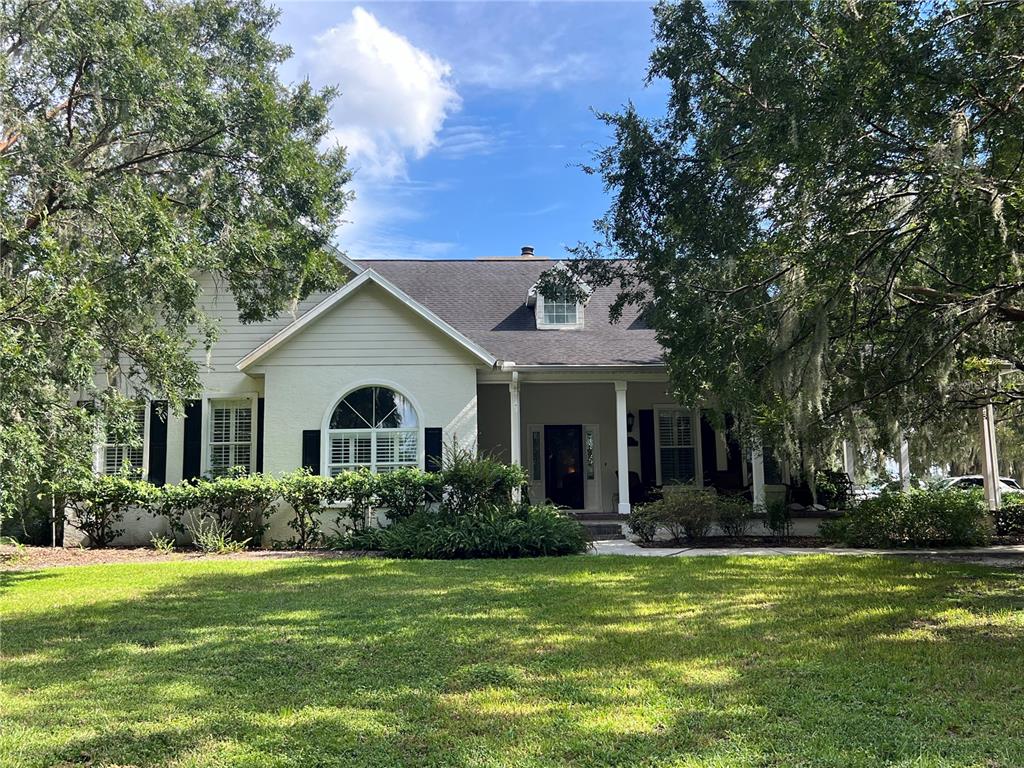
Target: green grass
{"points": [[804, 661]]}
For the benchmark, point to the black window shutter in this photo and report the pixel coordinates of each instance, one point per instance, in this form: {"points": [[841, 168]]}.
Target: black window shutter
{"points": [[432, 448], [158, 442], [648, 467], [260, 409], [311, 450], [192, 452]]}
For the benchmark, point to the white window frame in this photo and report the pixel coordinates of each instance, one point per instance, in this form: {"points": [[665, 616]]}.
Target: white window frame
{"points": [[544, 324], [99, 458], [326, 432], [208, 405], [694, 414]]}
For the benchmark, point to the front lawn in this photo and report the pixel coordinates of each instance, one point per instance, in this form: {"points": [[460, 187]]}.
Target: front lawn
{"points": [[803, 661]]}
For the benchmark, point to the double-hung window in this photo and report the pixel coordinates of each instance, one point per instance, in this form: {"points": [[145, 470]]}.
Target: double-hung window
{"points": [[677, 452], [231, 436], [373, 427]]}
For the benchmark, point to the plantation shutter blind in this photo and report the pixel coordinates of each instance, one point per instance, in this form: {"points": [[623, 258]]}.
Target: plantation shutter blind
{"points": [[676, 446], [230, 436]]}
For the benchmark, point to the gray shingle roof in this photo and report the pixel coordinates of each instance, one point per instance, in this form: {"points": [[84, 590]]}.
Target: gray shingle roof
{"points": [[486, 301]]}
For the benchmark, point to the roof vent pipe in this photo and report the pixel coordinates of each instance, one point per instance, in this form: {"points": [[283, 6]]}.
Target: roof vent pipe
{"points": [[527, 251]]}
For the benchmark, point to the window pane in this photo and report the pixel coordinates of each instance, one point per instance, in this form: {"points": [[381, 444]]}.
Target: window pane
{"points": [[355, 411], [243, 424], [677, 465], [220, 425], [535, 463], [393, 410]]}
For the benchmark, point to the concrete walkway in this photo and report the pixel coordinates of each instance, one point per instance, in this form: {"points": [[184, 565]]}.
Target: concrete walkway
{"points": [[1011, 552]]}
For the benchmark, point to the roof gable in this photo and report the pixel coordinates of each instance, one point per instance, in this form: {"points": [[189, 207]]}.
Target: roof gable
{"points": [[366, 276]]}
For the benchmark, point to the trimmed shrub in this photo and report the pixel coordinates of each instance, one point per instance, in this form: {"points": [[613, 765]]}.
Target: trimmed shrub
{"points": [[686, 511], [914, 518], [734, 514], [1010, 518], [357, 491], [404, 491], [498, 532], [239, 503], [176, 503], [307, 494], [100, 502]]}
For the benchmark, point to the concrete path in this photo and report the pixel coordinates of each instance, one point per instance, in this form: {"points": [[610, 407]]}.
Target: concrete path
{"points": [[1010, 552]]}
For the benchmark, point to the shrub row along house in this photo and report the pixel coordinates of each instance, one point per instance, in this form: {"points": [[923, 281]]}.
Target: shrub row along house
{"points": [[410, 356]]}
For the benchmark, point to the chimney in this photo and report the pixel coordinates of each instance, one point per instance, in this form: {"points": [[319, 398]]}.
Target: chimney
{"points": [[527, 252]]}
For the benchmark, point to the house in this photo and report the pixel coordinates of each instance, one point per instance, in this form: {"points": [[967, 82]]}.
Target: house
{"points": [[410, 356]]}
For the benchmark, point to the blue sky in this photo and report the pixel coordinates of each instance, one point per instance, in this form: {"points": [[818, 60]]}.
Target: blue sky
{"points": [[466, 122]]}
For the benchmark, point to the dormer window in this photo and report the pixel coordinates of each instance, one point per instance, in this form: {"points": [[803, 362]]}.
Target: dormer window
{"points": [[559, 311]]}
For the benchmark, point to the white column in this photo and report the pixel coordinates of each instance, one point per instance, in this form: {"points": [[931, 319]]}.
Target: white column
{"points": [[757, 470], [990, 458], [622, 446], [849, 461], [904, 462], [515, 438]]}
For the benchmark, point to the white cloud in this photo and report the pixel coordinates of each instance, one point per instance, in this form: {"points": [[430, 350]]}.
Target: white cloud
{"points": [[394, 98]]}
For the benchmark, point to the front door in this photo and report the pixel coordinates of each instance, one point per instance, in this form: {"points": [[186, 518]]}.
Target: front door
{"points": [[564, 478]]}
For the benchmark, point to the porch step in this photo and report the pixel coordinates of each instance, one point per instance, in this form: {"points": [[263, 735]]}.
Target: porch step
{"points": [[602, 531], [607, 517]]}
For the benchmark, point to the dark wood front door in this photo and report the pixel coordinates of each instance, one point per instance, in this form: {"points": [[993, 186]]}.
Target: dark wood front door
{"points": [[563, 449]]}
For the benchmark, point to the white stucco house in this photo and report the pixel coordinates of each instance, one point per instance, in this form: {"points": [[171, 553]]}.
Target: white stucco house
{"points": [[409, 356]]}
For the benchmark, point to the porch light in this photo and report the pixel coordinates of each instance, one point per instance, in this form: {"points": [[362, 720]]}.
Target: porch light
{"points": [[629, 421]]}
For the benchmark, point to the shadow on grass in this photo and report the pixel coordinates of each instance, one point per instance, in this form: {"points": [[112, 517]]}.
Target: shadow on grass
{"points": [[588, 661]]}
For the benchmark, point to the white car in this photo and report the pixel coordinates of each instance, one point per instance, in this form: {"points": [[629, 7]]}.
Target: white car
{"points": [[966, 482]]}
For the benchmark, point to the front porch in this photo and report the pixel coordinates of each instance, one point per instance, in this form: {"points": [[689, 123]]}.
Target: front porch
{"points": [[572, 431]]}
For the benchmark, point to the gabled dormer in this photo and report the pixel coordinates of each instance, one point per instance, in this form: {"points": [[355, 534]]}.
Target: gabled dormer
{"points": [[562, 308]]}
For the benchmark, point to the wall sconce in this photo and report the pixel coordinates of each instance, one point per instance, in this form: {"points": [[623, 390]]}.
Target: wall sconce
{"points": [[629, 421]]}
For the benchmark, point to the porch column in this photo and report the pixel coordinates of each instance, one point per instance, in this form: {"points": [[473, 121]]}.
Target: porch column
{"points": [[757, 470], [904, 462], [514, 440], [990, 458], [622, 446], [849, 461]]}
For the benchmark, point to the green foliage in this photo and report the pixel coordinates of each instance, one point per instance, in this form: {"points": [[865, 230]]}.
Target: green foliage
{"points": [[177, 502], [307, 495], [491, 532], [643, 522], [356, 492], [1009, 519], [163, 544], [98, 504], [469, 483], [915, 518], [824, 226], [778, 519], [212, 537], [404, 491], [686, 512], [734, 515], [239, 503], [144, 143]]}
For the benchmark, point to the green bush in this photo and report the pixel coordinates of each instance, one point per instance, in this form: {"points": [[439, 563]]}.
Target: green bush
{"points": [[239, 503], [357, 492], [914, 518], [175, 503], [778, 519], [99, 503], [498, 532], [734, 514], [643, 522], [404, 491], [307, 494], [1009, 519], [468, 483], [686, 511]]}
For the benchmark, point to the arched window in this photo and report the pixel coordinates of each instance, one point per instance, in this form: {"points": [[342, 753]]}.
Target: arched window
{"points": [[373, 427]]}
